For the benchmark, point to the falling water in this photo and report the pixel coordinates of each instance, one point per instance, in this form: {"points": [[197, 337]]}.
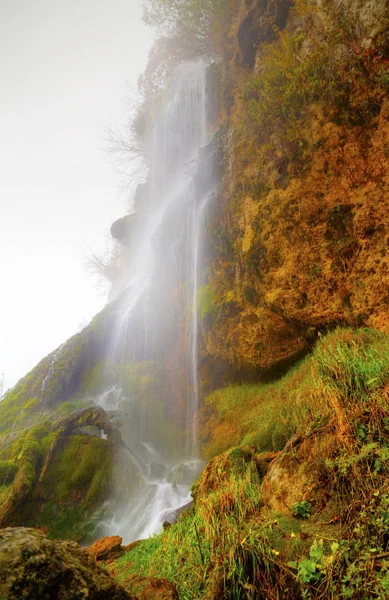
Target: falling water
{"points": [[166, 257]]}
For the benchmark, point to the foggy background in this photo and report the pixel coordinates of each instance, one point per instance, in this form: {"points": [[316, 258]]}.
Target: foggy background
{"points": [[67, 68]]}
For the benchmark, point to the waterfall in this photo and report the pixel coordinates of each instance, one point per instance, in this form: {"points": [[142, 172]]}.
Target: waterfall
{"points": [[152, 372]]}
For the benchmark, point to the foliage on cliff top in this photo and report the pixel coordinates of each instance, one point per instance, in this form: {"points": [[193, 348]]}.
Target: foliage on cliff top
{"points": [[195, 16], [304, 67], [188, 31], [246, 538]]}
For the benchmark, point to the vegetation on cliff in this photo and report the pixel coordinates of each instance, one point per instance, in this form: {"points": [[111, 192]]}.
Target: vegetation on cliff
{"points": [[300, 233], [302, 510], [56, 475], [294, 501]]}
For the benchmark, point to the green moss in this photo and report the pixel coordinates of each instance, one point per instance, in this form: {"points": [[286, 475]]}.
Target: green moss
{"points": [[205, 302], [4, 492], [81, 472], [76, 482], [352, 363], [58, 378], [71, 522], [66, 408], [8, 470]]}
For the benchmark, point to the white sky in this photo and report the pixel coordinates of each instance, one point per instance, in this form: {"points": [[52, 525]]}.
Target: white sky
{"points": [[65, 70]]}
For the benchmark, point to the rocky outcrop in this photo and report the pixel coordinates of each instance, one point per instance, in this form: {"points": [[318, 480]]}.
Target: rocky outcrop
{"points": [[95, 417], [370, 16], [34, 567], [122, 228], [301, 233], [60, 472], [259, 26]]}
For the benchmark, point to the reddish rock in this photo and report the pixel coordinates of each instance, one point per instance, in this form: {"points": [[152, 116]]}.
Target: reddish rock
{"points": [[107, 548]]}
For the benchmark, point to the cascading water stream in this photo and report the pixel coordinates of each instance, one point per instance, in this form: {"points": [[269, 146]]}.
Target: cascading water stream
{"points": [[166, 253]]}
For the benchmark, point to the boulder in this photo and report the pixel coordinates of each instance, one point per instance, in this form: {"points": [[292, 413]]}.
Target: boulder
{"points": [[34, 567], [107, 549]]}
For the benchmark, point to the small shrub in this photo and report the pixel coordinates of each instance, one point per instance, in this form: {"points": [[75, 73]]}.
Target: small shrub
{"points": [[302, 509]]}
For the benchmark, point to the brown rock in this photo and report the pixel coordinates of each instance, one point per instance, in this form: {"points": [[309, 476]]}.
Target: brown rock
{"points": [[131, 546], [107, 548], [34, 567], [153, 588], [159, 589]]}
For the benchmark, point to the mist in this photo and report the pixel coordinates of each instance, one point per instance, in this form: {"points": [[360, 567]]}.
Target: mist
{"points": [[68, 70]]}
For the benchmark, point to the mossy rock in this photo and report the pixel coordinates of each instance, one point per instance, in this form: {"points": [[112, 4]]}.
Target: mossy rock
{"points": [[34, 567], [218, 472], [57, 478], [8, 470]]}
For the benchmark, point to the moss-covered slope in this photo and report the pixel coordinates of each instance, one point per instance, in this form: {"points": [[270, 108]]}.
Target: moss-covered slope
{"points": [[55, 466]]}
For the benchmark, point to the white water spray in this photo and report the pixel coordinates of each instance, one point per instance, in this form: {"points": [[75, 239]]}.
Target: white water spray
{"points": [[166, 254]]}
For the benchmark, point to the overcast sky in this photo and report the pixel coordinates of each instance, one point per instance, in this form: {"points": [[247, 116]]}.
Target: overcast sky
{"points": [[66, 70]]}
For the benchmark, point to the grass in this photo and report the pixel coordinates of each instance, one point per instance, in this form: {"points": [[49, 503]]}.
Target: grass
{"points": [[346, 364], [262, 415], [232, 544], [183, 553]]}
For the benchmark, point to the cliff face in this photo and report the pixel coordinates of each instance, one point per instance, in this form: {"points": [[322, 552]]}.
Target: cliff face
{"points": [[294, 502], [301, 237]]}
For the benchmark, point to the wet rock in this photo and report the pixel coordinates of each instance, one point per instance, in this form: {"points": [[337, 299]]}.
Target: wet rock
{"points": [[133, 545], [170, 516], [108, 548], [35, 568]]}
